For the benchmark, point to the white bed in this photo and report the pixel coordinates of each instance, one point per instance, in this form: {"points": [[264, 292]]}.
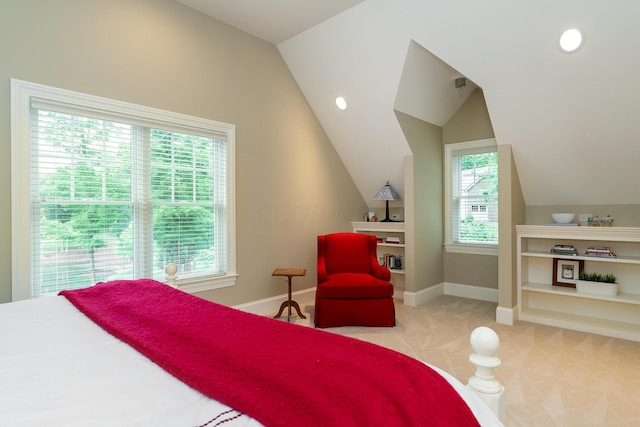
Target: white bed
{"points": [[59, 368]]}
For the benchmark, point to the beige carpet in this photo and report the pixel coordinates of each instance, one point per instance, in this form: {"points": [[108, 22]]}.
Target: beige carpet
{"points": [[552, 376]]}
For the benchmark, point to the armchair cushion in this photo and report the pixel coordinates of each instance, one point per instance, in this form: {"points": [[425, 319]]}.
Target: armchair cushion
{"points": [[354, 285]]}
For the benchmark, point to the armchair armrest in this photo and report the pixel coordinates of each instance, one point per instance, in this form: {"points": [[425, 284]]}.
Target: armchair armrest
{"points": [[322, 267], [380, 272], [322, 271]]}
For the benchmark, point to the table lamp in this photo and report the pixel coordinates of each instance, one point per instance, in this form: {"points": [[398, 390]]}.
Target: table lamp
{"points": [[387, 193]]}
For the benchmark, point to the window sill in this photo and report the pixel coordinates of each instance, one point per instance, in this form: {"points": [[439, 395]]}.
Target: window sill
{"points": [[206, 283], [471, 249]]}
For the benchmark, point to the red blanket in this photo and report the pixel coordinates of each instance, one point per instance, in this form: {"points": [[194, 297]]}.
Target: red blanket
{"points": [[278, 373]]}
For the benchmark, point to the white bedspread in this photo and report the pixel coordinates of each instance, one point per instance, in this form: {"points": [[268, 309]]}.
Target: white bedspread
{"points": [[58, 368]]}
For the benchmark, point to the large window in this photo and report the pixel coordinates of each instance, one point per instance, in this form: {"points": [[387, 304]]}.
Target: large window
{"points": [[105, 190], [471, 180]]}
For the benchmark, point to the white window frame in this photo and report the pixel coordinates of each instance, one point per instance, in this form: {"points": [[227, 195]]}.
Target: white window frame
{"points": [[450, 245], [22, 93]]}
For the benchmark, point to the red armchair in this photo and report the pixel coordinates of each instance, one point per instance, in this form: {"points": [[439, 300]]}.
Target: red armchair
{"points": [[353, 289]]}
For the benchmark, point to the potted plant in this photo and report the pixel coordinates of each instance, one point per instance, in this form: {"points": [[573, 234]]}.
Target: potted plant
{"points": [[597, 283]]}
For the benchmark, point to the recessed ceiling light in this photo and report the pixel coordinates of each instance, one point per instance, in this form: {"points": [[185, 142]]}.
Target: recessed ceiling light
{"points": [[341, 103], [571, 40]]}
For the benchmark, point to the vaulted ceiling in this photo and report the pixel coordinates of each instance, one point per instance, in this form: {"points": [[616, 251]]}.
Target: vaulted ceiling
{"points": [[572, 119]]}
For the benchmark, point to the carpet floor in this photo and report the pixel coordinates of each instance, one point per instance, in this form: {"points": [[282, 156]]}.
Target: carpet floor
{"points": [[552, 376]]}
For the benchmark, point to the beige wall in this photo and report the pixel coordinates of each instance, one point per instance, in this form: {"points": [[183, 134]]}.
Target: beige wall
{"points": [[291, 185], [426, 217], [471, 122], [511, 212], [431, 263]]}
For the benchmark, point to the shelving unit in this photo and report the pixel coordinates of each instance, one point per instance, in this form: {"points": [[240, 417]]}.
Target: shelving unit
{"points": [[541, 302], [384, 230]]}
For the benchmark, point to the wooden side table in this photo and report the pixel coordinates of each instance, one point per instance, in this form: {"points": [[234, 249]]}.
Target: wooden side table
{"points": [[289, 273]]}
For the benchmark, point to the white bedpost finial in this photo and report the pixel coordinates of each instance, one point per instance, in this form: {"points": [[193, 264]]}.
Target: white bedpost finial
{"points": [[171, 270], [485, 343]]}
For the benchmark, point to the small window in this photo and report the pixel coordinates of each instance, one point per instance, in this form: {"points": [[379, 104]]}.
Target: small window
{"points": [[471, 205]]}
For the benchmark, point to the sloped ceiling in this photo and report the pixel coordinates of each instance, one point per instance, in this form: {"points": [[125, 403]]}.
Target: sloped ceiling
{"points": [[272, 20], [571, 119]]}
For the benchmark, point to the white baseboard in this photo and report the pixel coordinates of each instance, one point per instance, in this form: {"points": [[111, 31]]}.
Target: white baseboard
{"points": [[507, 316], [414, 299], [473, 292], [454, 289], [272, 305], [411, 299]]}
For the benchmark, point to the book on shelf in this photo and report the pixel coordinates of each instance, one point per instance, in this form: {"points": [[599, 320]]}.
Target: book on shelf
{"points": [[564, 250], [395, 240], [566, 247], [600, 251]]}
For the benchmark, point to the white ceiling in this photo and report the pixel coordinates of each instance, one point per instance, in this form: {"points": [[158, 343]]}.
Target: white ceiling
{"points": [[272, 20], [571, 119]]}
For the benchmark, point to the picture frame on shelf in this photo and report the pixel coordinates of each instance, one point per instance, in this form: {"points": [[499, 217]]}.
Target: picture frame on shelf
{"points": [[566, 272]]}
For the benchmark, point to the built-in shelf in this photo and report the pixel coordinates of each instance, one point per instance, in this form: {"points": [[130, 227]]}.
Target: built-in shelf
{"points": [[383, 230], [541, 302]]}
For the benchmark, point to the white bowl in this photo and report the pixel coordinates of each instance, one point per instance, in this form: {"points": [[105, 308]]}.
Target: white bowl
{"points": [[563, 218]]}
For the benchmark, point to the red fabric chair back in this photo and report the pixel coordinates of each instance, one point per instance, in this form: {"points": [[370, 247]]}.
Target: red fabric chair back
{"points": [[348, 252]]}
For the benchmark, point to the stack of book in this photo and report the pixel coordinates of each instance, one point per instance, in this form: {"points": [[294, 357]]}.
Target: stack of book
{"points": [[564, 250], [395, 240], [600, 251]]}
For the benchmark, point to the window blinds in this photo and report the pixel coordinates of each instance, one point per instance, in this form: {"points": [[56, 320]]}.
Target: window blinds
{"points": [[475, 196], [118, 197]]}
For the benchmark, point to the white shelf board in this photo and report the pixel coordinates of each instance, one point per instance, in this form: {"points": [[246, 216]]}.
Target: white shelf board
{"points": [[391, 245], [622, 260], [613, 234], [588, 324], [625, 298], [387, 227]]}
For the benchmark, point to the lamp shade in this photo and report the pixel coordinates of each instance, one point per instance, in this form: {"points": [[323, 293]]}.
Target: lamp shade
{"points": [[387, 193]]}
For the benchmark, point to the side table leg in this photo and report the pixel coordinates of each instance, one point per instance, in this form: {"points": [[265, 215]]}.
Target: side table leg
{"points": [[289, 303], [297, 307], [282, 306]]}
